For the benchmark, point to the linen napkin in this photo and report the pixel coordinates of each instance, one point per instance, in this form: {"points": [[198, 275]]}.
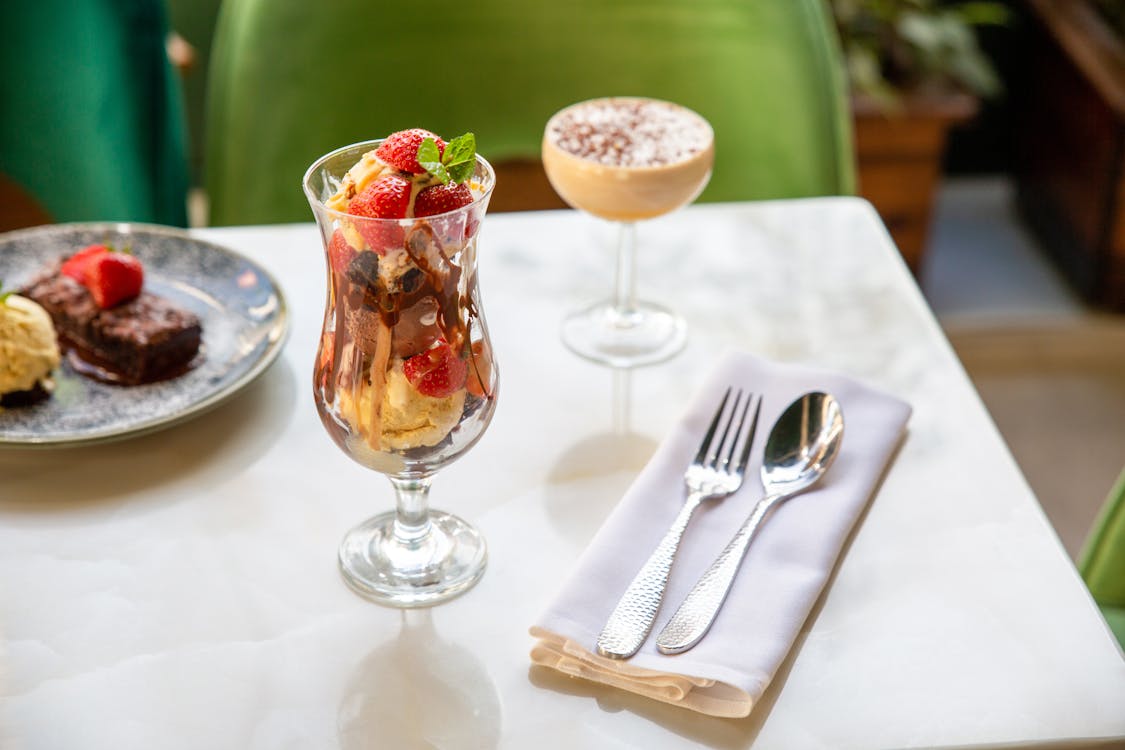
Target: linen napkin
{"points": [[787, 566]]}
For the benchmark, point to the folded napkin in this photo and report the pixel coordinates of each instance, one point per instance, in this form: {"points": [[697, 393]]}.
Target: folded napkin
{"points": [[787, 565]]}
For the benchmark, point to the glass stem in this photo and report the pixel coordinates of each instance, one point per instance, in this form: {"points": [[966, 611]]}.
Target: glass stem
{"points": [[625, 293], [412, 510]]}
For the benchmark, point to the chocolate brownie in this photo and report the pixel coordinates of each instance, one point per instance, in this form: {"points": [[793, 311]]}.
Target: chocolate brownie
{"points": [[139, 341]]}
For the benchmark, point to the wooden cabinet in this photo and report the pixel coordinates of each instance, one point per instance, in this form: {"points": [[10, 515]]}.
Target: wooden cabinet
{"points": [[1070, 146]]}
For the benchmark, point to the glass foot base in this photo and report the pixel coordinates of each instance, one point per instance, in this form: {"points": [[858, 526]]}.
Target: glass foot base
{"points": [[446, 562], [646, 335]]}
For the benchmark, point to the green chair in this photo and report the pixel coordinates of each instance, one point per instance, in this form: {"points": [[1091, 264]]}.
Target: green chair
{"points": [[1102, 563], [195, 21], [92, 125], [291, 80]]}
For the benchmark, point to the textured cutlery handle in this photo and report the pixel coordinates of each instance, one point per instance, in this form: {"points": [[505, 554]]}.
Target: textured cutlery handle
{"points": [[631, 621], [694, 616]]}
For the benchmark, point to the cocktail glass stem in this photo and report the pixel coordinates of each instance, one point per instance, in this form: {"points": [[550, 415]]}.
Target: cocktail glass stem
{"points": [[624, 331], [625, 287]]}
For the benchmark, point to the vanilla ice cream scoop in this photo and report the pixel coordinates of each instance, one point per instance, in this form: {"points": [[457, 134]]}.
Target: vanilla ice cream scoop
{"points": [[29, 349], [404, 418], [411, 419]]}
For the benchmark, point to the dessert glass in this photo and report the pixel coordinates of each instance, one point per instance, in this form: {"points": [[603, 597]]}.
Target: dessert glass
{"points": [[417, 297], [626, 159]]}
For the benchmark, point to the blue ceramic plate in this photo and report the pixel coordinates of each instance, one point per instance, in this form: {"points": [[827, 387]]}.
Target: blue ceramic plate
{"points": [[245, 323]]}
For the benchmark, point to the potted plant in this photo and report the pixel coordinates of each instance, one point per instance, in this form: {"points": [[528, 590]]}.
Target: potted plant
{"points": [[1070, 145], [915, 70]]}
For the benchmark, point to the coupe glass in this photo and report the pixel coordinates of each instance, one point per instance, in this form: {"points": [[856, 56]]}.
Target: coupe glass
{"points": [[627, 159], [404, 380]]}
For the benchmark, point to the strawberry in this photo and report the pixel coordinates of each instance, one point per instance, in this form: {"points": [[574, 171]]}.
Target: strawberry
{"points": [[400, 150], [78, 265], [386, 198], [113, 278], [340, 253], [436, 372], [437, 199]]}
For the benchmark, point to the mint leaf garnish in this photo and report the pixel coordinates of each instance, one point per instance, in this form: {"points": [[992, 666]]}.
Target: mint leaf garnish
{"points": [[460, 157], [428, 152], [430, 160], [4, 295], [461, 172], [456, 164]]}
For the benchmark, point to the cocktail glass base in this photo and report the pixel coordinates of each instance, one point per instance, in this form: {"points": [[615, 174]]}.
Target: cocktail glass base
{"points": [[379, 564], [645, 334]]}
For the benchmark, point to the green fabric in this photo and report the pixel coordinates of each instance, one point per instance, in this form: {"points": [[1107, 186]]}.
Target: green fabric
{"points": [[1102, 563], [1115, 617], [195, 20], [291, 80], [92, 118]]}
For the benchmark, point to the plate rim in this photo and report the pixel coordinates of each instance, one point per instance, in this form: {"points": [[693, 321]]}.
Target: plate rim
{"points": [[279, 335]]}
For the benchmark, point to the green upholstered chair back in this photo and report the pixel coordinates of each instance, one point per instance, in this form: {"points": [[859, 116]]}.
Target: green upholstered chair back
{"points": [[1102, 563], [92, 117], [292, 79], [195, 21]]}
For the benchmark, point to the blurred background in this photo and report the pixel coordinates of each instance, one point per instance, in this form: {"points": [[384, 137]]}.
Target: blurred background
{"points": [[990, 136]]}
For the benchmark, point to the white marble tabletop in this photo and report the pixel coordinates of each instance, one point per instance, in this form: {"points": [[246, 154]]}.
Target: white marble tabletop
{"points": [[179, 590]]}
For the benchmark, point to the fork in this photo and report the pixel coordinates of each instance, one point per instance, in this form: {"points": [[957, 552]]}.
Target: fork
{"points": [[713, 474]]}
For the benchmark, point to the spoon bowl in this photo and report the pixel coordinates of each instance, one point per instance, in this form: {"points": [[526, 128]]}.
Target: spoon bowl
{"points": [[802, 444]]}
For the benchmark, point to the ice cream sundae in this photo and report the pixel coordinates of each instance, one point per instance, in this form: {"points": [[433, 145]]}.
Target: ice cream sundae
{"points": [[404, 373]]}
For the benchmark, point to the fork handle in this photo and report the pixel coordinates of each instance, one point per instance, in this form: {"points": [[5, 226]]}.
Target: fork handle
{"points": [[695, 615], [631, 621]]}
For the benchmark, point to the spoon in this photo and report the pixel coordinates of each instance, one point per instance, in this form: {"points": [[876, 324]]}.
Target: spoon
{"points": [[801, 446]]}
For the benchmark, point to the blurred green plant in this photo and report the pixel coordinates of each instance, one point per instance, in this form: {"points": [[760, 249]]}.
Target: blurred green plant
{"points": [[896, 46]]}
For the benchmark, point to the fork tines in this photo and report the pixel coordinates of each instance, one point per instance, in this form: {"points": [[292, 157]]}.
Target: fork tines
{"points": [[718, 454]]}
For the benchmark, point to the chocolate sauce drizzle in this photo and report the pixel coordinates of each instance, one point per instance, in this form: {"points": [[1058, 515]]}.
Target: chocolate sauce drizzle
{"points": [[361, 289]]}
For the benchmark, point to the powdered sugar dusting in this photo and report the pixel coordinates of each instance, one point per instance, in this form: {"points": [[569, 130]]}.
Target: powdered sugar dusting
{"points": [[630, 132]]}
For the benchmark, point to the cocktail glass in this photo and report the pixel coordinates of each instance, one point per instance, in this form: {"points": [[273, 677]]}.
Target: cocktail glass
{"points": [[414, 296], [627, 159]]}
